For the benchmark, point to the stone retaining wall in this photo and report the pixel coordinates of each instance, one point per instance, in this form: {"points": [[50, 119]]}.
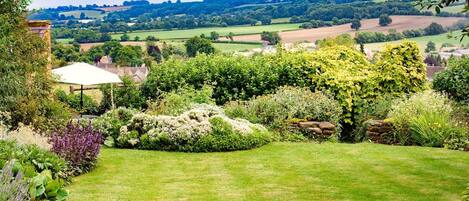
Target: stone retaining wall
{"points": [[314, 129], [379, 131]]}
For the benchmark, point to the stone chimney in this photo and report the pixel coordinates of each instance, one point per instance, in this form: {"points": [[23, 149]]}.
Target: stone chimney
{"points": [[43, 29]]}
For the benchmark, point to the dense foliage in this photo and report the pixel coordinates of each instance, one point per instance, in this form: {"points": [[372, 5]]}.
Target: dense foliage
{"points": [[12, 184], [109, 124], [198, 45], [285, 105], [73, 101], [128, 95], [202, 129], [33, 160], [338, 70], [426, 119], [79, 145], [25, 85], [454, 80]]}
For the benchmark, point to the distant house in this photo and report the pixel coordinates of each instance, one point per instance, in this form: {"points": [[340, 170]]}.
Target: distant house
{"points": [[139, 74]]}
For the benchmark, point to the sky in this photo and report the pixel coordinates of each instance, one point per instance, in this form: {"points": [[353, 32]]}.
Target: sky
{"points": [[55, 3]]}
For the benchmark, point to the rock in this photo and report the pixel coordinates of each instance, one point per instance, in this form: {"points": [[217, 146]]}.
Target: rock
{"points": [[308, 124], [326, 126], [327, 132], [316, 130]]}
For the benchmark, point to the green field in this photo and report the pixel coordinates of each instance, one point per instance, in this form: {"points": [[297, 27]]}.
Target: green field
{"points": [[450, 9], [422, 41], [280, 171], [188, 33], [281, 20], [89, 13]]}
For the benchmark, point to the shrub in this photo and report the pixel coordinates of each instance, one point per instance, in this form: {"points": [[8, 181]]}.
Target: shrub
{"points": [[192, 131], [109, 124], [73, 101], [79, 145], [12, 184], [128, 95], [286, 104], [175, 103], [454, 80], [44, 187], [424, 119], [32, 159]]}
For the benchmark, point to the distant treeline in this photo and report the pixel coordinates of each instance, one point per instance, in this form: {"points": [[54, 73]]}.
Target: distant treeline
{"points": [[222, 13]]}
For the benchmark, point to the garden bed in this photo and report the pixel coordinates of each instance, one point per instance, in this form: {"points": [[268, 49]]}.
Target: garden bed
{"points": [[280, 171]]}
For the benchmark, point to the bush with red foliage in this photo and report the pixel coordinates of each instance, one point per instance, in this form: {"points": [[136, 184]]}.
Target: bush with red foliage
{"points": [[79, 145]]}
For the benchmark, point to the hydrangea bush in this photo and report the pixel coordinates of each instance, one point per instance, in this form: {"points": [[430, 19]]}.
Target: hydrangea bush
{"points": [[191, 131]]}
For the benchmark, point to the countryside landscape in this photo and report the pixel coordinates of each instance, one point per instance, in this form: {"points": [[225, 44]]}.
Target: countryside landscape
{"points": [[234, 100]]}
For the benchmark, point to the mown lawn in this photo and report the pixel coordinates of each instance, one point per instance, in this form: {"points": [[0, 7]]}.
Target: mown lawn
{"points": [[280, 171]]}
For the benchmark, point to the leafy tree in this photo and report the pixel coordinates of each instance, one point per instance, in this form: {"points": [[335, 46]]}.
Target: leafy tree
{"points": [[384, 20], [25, 84], [434, 29], [82, 16], [341, 40], [214, 35], [112, 47], [154, 51], [105, 37], [152, 38], [125, 37], [272, 37], [430, 47], [356, 24], [128, 56], [197, 45], [95, 54], [87, 36], [266, 20], [137, 38], [231, 36]]}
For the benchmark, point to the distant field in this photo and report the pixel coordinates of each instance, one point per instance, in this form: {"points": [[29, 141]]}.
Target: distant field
{"points": [[188, 33], [281, 20], [223, 47], [450, 9], [400, 23], [89, 13], [422, 41], [114, 8]]}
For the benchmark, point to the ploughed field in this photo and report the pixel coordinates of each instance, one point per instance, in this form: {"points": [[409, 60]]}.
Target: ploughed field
{"points": [[280, 171], [399, 23]]}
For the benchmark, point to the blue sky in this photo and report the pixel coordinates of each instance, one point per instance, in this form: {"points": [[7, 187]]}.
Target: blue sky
{"points": [[55, 3]]}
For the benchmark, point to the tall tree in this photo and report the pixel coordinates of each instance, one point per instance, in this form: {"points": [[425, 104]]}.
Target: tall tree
{"points": [[384, 20], [272, 37], [25, 82], [197, 45], [356, 24]]}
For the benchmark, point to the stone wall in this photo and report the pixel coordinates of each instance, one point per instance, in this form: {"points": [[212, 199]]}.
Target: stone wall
{"points": [[379, 131], [314, 129]]}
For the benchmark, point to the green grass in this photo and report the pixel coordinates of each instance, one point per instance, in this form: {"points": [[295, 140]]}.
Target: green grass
{"points": [[89, 13], [281, 171], [188, 33], [234, 47], [422, 41], [281, 20], [450, 9]]}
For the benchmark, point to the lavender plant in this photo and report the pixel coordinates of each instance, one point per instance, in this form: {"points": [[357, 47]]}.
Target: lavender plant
{"points": [[79, 145], [12, 185]]}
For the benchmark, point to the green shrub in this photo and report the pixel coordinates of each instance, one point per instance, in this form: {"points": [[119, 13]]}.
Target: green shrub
{"points": [[425, 119], [286, 104], [432, 129], [176, 102], [32, 159], [202, 129], [73, 101], [454, 80], [128, 95], [109, 124]]}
